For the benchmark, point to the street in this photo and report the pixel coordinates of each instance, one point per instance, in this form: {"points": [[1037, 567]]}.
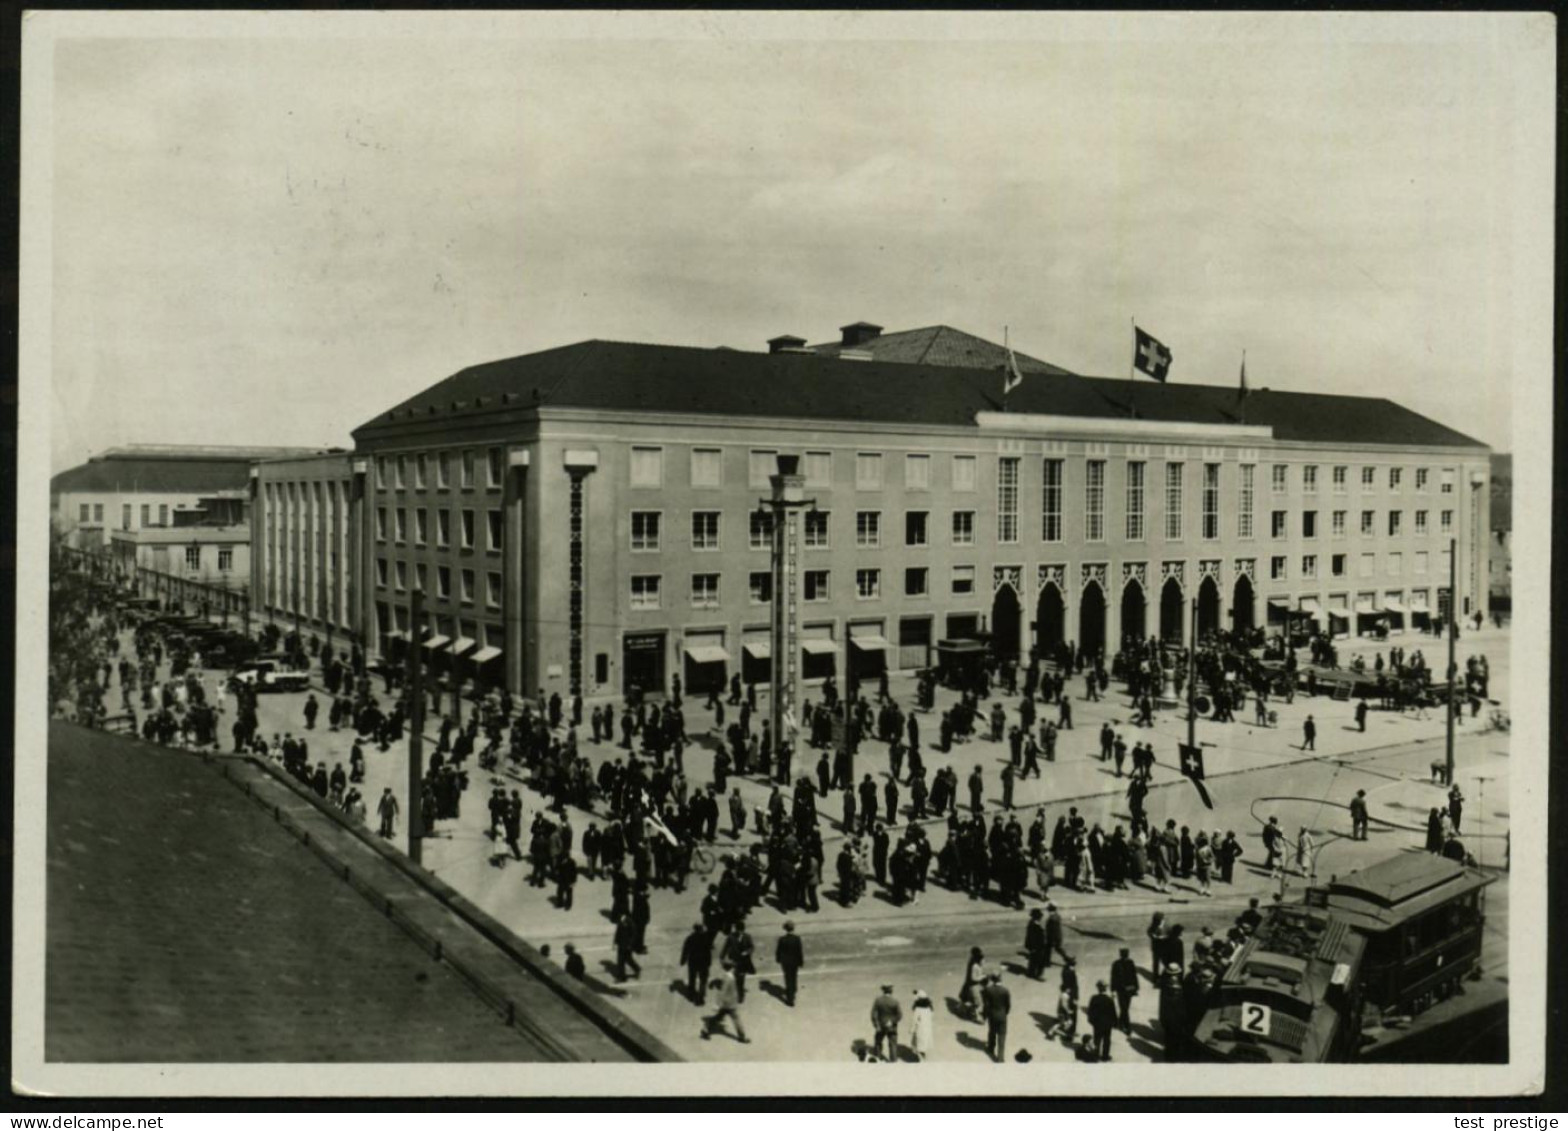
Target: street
{"points": [[1252, 773]]}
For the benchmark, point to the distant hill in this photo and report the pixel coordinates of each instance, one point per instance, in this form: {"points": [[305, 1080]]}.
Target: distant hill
{"points": [[1502, 492]]}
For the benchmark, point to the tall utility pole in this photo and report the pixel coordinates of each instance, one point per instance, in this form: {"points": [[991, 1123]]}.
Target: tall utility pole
{"points": [[788, 497], [1192, 679], [416, 724], [1453, 624]]}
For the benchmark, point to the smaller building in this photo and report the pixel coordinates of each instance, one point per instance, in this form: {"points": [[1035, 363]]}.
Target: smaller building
{"points": [[152, 486], [211, 555]]}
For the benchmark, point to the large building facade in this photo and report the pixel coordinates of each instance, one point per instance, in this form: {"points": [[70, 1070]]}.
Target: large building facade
{"points": [[588, 518], [307, 541]]}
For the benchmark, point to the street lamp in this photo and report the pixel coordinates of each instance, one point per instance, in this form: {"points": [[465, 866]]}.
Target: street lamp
{"points": [[787, 498]]}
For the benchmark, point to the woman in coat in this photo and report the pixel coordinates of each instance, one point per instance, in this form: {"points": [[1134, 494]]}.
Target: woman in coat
{"points": [[920, 1020]]}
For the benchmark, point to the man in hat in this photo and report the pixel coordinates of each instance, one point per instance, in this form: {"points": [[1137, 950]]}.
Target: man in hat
{"points": [[996, 1003], [1124, 984], [697, 957], [729, 1006], [791, 956], [1053, 934], [1035, 945], [886, 1015], [1102, 1018], [1358, 815]]}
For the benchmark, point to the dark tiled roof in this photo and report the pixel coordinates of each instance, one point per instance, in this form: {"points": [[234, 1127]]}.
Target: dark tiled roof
{"points": [[634, 377], [174, 476], [940, 345]]}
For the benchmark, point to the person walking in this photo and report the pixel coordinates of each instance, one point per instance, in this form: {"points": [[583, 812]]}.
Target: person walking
{"points": [[1358, 815], [1035, 945], [791, 956], [1124, 984], [729, 1006], [1306, 853], [737, 956], [997, 1002], [886, 1015], [1274, 845], [1309, 734], [974, 976], [625, 948], [387, 809], [1361, 715], [1102, 1019], [1053, 934], [697, 957], [921, 1015]]}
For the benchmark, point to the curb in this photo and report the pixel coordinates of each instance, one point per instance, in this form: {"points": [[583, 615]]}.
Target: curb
{"points": [[643, 1045]]}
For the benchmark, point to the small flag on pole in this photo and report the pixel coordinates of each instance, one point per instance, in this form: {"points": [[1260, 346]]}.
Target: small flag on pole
{"points": [[1013, 378], [1192, 769], [1150, 355]]}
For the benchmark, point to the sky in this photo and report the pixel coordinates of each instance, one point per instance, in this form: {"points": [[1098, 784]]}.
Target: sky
{"points": [[268, 239]]}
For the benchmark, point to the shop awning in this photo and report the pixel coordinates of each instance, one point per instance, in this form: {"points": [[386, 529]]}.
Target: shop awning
{"points": [[1394, 607], [759, 649], [462, 645], [1282, 607], [436, 643], [871, 643], [1366, 607], [1418, 603], [707, 654], [820, 647], [397, 634], [486, 654]]}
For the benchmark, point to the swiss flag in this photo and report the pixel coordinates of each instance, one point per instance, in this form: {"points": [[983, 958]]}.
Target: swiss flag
{"points": [[1192, 768], [1150, 355]]}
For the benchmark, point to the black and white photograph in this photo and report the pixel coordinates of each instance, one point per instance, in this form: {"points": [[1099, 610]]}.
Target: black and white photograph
{"points": [[699, 553]]}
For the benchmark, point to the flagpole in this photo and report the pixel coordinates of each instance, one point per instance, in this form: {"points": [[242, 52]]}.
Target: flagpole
{"points": [[1132, 362]]}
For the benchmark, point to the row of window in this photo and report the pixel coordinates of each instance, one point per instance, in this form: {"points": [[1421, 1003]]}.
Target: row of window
{"points": [[483, 633], [647, 527], [395, 575], [421, 469], [707, 470], [93, 512], [225, 558], [467, 527], [1394, 564], [647, 590]]}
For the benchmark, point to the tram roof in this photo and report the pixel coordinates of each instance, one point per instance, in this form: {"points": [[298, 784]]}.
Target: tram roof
{"points": [[1398, 888]]}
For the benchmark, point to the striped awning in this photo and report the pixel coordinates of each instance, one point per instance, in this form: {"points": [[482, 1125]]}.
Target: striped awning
{"points": [[759, 649], [707, 654], [871, 643]]}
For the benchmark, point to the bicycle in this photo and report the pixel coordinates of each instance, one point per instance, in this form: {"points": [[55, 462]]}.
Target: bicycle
{"points": [[703, 860]]}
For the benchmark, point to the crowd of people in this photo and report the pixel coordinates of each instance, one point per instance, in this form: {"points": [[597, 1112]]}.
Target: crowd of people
{"points": [[649, 826]]}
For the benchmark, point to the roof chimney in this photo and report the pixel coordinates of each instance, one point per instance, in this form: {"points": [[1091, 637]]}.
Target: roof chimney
{"points": [[785, 343], [857, 332]]}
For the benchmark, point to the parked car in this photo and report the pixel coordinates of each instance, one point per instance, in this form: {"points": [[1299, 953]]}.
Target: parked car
{"points": [[271, 673]]}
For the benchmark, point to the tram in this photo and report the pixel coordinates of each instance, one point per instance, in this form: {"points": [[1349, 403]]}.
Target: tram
{"points": [[1422, 917], [1291, 995], [1394, 937]]}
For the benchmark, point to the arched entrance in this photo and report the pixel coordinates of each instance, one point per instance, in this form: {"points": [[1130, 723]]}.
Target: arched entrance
{"points": [[1133, 602], [1091, 620], [1006, 623], [1208, 607], [1172, 611], [1241, 606], [1050, 619]]}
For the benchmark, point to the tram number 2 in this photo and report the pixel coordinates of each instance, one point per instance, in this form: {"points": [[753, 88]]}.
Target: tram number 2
{"points": [[1255, 1019]]}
